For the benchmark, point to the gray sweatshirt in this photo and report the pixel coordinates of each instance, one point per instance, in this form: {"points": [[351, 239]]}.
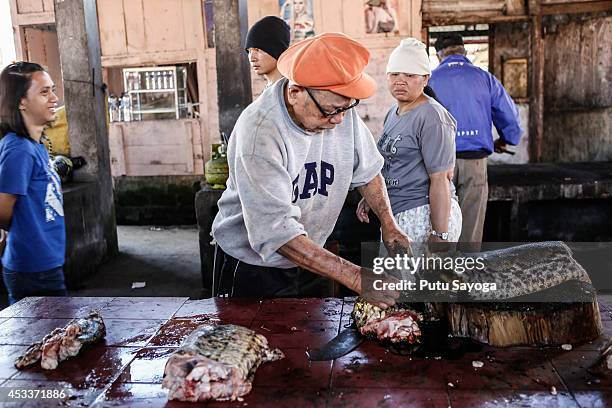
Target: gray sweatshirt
{"points": [[285, 181]]}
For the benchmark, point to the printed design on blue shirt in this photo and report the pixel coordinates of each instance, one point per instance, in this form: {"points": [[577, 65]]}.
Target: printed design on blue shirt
{"points": [[53, 198], [387, 145], [473, 132], [314, 182]]}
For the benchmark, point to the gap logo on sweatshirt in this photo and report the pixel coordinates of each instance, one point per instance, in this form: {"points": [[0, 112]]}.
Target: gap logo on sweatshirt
{"points": [[316, 180]]}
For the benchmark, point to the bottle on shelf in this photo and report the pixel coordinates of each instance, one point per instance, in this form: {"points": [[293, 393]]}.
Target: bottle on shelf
{"points": [[113, 108], [165, 74], [126, 107]]}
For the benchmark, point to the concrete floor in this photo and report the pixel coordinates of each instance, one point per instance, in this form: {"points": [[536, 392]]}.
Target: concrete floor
{"points": [[166, 259]]}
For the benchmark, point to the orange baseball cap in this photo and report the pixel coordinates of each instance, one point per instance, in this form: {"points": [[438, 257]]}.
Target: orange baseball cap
{"points": [[329, 61]]}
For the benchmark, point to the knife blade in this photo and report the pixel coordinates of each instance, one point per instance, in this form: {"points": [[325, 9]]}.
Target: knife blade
{"points": [[345, 342]]}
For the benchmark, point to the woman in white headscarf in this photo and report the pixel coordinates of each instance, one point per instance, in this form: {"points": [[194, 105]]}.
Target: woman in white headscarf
{"points": [[418, 144]]}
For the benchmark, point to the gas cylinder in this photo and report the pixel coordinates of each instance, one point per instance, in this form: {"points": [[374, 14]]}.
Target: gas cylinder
{"points": [[216, 170]]}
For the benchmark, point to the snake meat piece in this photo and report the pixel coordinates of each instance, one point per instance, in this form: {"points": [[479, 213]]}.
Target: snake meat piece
{"points": [[216, 362]]}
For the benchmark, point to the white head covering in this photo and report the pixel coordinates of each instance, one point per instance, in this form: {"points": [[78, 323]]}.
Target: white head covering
{"points": [[410, 57]]}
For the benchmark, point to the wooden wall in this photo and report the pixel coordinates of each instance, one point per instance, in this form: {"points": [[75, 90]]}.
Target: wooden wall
{"points": [[578, 88], [346, 16], [150, 31], [138, 33], [156, 148], [158, 32], [29, 13], [42, 48], [35, 37], [507, 41]]}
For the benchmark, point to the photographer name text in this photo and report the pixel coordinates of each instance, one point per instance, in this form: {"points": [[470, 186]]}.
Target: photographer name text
{"points": [[425, 285]]}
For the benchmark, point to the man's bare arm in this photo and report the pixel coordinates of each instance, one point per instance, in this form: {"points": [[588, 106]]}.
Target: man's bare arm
{"points": [[303, 252], [375, 194]]}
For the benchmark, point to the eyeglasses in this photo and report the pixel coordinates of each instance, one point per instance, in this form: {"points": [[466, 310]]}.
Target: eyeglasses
{"points": [[336, 111]]}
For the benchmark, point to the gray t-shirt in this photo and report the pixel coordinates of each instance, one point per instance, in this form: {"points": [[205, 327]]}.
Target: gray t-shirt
{"points": [[416, 144], [285, 181]]}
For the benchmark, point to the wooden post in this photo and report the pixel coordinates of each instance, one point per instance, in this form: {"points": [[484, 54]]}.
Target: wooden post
{"points": [[492, 57], [79, 46], [19, 36], [233, 71], [536, 83]]}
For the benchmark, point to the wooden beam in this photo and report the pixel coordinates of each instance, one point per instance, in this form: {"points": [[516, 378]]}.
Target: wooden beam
{"points": [[45, 17], [18, 34], [473, 18], [574, 8], [21, 48], [150, 58], [203, 108], [536, 91], [416, 19]]}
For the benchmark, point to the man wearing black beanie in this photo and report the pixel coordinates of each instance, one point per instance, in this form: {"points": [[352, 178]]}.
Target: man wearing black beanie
{"points": [[265, 42]]}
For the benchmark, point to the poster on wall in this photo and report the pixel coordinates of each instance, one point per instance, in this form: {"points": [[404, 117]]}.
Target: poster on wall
{"points": [[381, 16], [298, 14], [209, 23]]}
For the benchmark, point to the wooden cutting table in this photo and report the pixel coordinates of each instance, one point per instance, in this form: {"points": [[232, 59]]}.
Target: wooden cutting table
{"points": [[127, 369]]}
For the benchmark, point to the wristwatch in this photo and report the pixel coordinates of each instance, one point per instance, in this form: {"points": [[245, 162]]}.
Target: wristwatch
{"points": [[441, 235]]}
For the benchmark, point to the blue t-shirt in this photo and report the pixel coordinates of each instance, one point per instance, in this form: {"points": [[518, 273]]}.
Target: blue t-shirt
{"points": [[37, 235]]}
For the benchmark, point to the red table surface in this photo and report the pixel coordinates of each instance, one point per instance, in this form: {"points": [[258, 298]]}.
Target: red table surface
{"points": [[127, 368]]}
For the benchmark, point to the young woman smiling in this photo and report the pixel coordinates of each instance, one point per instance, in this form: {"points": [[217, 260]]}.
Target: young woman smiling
{"points": [[31, 205]]}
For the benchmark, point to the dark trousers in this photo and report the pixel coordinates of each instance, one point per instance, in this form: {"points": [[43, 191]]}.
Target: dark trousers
{"points": [[239, 279], [23, 284]]}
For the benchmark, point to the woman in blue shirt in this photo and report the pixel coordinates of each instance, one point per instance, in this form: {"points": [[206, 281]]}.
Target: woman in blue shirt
{"points": [[31, 205]]}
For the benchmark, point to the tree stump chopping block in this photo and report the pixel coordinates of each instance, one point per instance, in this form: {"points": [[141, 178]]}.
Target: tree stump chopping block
{"points": [[529, 324], [544, 297]]}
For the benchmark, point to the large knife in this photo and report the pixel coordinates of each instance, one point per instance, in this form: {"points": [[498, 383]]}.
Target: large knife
{"points": [[345, 342]]}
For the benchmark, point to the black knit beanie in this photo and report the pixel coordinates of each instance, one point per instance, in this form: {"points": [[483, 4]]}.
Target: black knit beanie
{"points": [[270, 34]]}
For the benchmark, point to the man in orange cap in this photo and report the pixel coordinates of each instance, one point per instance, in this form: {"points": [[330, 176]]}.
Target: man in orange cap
{"points": [[293, 155]]}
